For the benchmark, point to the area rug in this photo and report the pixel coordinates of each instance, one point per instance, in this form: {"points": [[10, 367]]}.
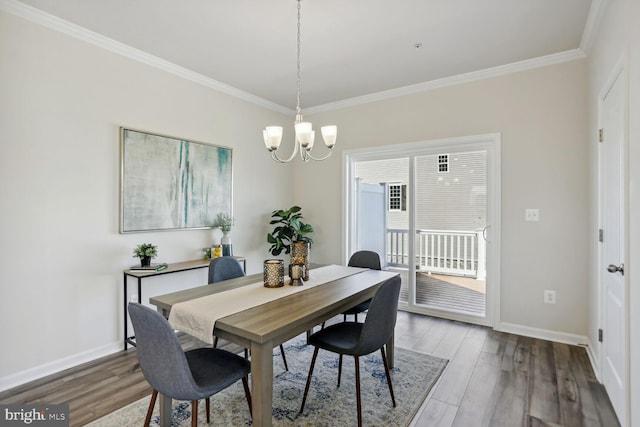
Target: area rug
{"points": [[413, 377]]}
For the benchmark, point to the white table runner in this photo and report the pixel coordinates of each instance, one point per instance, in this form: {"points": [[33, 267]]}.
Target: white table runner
{"points": [[197, 317]]}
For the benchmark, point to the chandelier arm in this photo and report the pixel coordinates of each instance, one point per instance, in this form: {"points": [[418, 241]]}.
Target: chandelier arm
{"points": [[275, 157], [319, 159]]}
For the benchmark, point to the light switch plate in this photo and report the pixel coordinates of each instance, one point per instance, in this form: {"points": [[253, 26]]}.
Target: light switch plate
{"points": [[532, 215]]}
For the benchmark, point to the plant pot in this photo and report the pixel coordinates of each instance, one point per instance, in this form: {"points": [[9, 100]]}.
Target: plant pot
{"points": [[145, 261]]}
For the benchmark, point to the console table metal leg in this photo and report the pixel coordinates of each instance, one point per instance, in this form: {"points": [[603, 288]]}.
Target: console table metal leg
{"points": [[126, 318]]}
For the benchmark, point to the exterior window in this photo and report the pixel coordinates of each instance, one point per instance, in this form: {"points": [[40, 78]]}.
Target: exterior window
{"points": [[443, 163], [397, 197]]}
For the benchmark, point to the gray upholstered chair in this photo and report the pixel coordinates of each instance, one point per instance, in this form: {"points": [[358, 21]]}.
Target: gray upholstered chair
{"points": [[192, 375], [225, 268], [359, 339], [364, 259]]}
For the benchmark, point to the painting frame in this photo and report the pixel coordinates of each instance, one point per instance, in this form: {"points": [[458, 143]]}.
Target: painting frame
{"points": [[170, 183]]}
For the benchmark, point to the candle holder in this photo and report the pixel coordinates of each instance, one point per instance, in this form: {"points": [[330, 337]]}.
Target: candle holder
{"points": [[273, 273], [300, 255], [296, 273]]}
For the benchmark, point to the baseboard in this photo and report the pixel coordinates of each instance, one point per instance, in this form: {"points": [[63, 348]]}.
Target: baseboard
{"points": [[593, 359], [55, 366], [543, 334]]}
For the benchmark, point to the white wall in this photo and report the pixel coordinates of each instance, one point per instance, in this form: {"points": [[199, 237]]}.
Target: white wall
{"points": [[542, 116], [62, 102], [619, 35]]}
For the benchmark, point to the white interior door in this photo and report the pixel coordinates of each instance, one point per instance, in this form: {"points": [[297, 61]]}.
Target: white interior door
{"points": [[614, 293]]}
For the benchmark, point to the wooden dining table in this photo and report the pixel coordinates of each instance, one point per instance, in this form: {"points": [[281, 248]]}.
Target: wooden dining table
{"points": [[265, 326]]}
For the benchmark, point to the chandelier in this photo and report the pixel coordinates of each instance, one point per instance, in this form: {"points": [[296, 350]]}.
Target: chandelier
{"points": [[304, 133]]}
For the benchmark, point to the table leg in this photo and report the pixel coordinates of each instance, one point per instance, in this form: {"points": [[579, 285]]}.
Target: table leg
{"points": [[390, 350], [262, 382], [165, 411]]}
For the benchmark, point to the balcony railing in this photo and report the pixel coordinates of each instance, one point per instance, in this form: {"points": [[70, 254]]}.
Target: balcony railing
{"points": [[439, 251]]}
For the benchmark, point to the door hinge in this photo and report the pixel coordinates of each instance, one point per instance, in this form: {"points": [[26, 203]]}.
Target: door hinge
{"points": [[601, 235], [601, 135], [599, 335]]}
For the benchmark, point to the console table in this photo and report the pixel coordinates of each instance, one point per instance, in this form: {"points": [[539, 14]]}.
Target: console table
{"points": [[175, 267]]}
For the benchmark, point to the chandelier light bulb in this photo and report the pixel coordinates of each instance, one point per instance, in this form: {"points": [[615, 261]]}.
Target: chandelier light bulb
{"points": [[272, 137], [329, 135]]}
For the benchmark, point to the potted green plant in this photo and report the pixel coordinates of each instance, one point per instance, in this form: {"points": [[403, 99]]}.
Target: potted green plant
{"points": [[145, 251], [224, 222], [289, 228]]}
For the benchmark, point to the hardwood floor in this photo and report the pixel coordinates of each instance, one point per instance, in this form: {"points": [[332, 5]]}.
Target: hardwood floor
{"points": [[493, 379], [498, 379]]}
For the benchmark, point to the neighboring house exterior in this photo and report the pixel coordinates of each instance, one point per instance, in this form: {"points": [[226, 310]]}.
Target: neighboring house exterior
{"points": [[450, 190], [450, 211]]}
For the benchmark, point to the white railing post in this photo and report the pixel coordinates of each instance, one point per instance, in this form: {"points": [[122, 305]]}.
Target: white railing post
{"points": [[440, 251], [482, 254]]}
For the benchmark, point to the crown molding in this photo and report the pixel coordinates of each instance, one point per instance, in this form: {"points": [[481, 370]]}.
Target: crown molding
{"points": [[596, 12], [37, 16], [501, 70]]}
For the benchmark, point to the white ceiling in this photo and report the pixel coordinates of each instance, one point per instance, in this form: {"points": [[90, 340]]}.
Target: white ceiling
{"points": [[350, 48]]}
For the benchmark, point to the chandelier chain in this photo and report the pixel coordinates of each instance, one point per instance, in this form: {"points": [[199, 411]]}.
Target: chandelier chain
{"points": [[298, 111]]}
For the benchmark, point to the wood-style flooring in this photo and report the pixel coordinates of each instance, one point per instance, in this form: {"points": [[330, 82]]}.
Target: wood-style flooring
{"points": [[493, 379]]}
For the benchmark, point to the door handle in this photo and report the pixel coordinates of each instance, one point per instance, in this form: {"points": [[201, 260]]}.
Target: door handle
{"points": [[615, 269], [484, 233]]}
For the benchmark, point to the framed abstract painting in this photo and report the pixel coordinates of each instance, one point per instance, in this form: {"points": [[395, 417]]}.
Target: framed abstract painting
{"points": [[169, 183]]}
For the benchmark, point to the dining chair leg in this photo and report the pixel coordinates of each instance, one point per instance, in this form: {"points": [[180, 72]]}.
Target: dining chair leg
{"points": [[345, 317], [246, 354], [284, 358], [215, 342], [194, 413], [152, 404], [358, 402], [306, 389], [339, 369], [247, 394], [386, 370], [208, 405]]}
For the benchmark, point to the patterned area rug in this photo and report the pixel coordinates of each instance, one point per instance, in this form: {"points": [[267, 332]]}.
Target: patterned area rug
{"points": [[327, 405]]}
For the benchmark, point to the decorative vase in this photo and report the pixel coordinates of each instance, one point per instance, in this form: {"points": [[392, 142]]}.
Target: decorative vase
{"points": [[145, 261], [300, 256], [227, 248]]}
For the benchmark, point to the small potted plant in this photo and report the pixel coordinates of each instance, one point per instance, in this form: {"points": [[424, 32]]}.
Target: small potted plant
{"points": [[145, 251], [224, 222]]}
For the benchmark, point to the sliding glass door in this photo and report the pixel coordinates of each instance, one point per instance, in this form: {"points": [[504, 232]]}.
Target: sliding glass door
{"points": [[429, 210]]}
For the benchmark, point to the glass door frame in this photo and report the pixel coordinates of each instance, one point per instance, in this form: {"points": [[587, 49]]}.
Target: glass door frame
{"points": [[488, 142]]}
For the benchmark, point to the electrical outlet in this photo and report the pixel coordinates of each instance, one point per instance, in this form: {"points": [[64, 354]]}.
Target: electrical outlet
{"points": [[532, 215], [133, 298], [549, 297]]}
